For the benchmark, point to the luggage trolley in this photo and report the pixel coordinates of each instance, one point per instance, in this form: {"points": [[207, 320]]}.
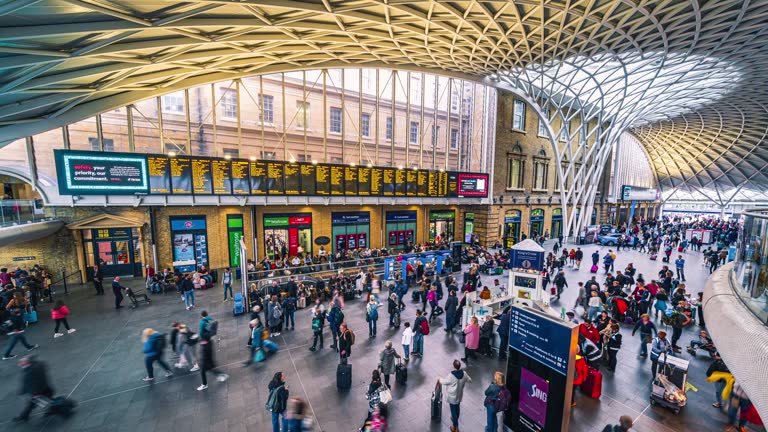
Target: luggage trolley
{"points": [[668, 388]]}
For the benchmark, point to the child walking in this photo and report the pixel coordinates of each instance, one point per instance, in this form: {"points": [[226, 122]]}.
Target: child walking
{"points": [[59, 314]]}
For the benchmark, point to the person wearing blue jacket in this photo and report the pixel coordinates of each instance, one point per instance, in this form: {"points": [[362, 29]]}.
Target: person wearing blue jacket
{"points": [[647, 328], [154, 345], [660, 346], [503, 331], [401, 289]]}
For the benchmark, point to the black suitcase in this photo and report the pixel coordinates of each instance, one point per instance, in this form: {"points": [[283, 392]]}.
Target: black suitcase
{"points": [[416, 295], [215, 275], [437, 403], [439, 311], [344, 375], [396, 320], [401, 373], [60, 406]]}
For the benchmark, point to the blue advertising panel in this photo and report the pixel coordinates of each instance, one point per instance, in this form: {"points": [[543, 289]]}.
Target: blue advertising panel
{"points": [[339, 218], [529, 260], [388, 267], [540, 338], [401, 216]]}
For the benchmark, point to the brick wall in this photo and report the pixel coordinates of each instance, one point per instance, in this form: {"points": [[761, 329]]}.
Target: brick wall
{"points": [[55, 252]]}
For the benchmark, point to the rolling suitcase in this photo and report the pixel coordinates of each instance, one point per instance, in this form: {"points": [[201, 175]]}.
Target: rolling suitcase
{"points": [[653, 257], [401, 373], [593, 385], [301, 303], [238, 306], [344, 375], [437, 403], [60, 406], [593, 269]]}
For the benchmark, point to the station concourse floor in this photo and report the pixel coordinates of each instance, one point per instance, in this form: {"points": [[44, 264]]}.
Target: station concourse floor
{"points": [[101, 366]]}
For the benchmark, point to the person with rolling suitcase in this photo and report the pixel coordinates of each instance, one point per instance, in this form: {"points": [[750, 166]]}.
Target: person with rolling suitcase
{"points": [[436, 405], [453, 385], [34, 382], [401, 373], [387, 358]]}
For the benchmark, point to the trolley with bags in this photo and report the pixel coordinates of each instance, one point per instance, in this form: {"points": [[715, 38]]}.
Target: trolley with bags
{"points": [[668, 388]]}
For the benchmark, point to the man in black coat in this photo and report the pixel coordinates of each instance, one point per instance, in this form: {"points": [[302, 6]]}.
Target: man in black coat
{"points": [[451, 305], [117, 290], [34, 382], [503, 331], [560, 283], [293, 287], [98, 280]]}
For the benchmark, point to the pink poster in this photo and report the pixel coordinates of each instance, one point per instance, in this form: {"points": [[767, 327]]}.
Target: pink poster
{"points": [[533, 397]]}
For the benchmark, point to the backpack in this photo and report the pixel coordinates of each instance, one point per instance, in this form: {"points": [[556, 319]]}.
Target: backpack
{"points": [[374, 314], [277, 312], [337, 316], [504, 400], [290, 304], [424, 327], [212, 328], [160, 343], [273, 401], [352, 336], [316, 324]]}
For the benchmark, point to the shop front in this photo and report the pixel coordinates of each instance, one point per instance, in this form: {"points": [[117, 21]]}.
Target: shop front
{"points": [[441, 225], [537, 222], [511, 227], [189, 237], [469, 227], [286, 236], [110, 241], [400, 228], [350, 230], [234, 235], [557, 222]]}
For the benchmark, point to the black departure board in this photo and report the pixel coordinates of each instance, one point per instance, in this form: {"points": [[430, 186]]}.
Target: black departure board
{"points": [[220, 175], [159, 175], [239, 176], [292, 179], [377, 177], [323, 180], [350, 181], [308, 179], [337, 180], [181, 176], [364, 181], [117, 173], [258, 170], [401, 183], [411, 188], [275, 182], [388, 182]]}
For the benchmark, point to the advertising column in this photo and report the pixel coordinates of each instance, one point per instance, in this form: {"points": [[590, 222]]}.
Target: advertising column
{"points": [[189, 236], [234, 235]]}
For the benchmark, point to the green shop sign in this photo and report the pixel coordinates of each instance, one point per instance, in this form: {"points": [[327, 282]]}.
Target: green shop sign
{"points": [[441, 215], [276, 221]]}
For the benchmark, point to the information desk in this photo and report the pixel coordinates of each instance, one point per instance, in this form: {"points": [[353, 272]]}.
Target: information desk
{"points": [[493, 306]]}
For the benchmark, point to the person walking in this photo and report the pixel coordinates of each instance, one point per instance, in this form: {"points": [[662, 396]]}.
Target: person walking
{"points": [[277, 401], [98, 280], [186, 340], [560, 283], [497, 399], [117, 290], [625, 424], [472, 339], [59, 314], [335, 318], [419, 325], [318, 322], [387, 358], [188, 290], [226, 281], [451, 306], [453, 388], [660, 346], [503, 331], [16, 308], [206, 361], [718, 373], [289, 310], [34, 382], [680, 267], [392, 309], [406, 340], [613, 344], [581, 296], [647, 329], [486, 334], [372, 316], [373, 395], [154, 345], [595, 305], [274, 316]]}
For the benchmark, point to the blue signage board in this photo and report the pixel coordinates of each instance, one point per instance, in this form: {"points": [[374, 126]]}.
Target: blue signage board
{"points": [[541, 338], [529, 260], [388, 263], [401, 216], [350, 218], [187, 224]]}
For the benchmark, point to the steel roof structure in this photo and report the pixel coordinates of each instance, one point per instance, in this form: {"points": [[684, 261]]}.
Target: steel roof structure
{"points": [[686, 77]]}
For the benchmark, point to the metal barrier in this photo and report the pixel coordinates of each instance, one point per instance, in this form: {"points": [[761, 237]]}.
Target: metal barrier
{"points": [[18, 212], [324, 270], [64, 278]]}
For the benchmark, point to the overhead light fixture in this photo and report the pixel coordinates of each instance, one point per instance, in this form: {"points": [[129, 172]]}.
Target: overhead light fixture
{"points": [[442, 170], [227, 157], [171, 154], [399, 167], [415, 168], [292, 160], [253, 158], [352, 164], [314, 161], [370, 165]]}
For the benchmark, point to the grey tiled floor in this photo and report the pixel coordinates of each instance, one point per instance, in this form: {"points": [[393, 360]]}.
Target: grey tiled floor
{"points": [[101, 367]]}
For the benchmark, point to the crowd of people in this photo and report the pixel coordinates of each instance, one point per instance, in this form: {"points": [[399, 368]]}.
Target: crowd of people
{"points": [[620, 297]]}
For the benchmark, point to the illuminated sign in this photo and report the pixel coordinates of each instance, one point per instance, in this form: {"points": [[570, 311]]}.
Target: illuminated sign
{"points": [[97, 173]]}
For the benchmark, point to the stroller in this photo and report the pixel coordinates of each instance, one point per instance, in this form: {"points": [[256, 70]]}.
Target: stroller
{"points": [[619, 307], [134, 298], [668, 388]]}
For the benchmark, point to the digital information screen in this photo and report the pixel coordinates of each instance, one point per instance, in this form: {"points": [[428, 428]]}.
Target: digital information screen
{"points": [[181, 176], [97, 173]]}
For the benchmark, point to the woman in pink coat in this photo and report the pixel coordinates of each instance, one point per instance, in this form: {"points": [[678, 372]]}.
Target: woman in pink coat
{"points": [[472, 339], [59, 314]]}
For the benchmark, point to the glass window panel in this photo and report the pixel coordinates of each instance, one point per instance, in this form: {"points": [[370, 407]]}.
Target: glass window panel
{"points": [[114, 128], [414, 132], [518, 119], [542, 125], [267, 114], [81, 132], [335, 120], [228, 103], [146, 129], [201, 121], [366, 125], [173, 103]]}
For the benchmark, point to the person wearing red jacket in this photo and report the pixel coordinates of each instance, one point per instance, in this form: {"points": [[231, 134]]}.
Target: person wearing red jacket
{"points": [[59, 314], [590, 332]]}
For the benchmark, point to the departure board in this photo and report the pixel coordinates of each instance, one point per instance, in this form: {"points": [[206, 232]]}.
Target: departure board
{"points": [[376, 181], [421, 183], [115, 173], [337, 180], [292, 181], [401, 183], [411, 187], [364, 181], [181, 176], [258, 172], [323, 180], [388, 182], [220, 174], [239, 177], [275, 182], [350, 181], [159, 175], [202, 179], [308, 179]]}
